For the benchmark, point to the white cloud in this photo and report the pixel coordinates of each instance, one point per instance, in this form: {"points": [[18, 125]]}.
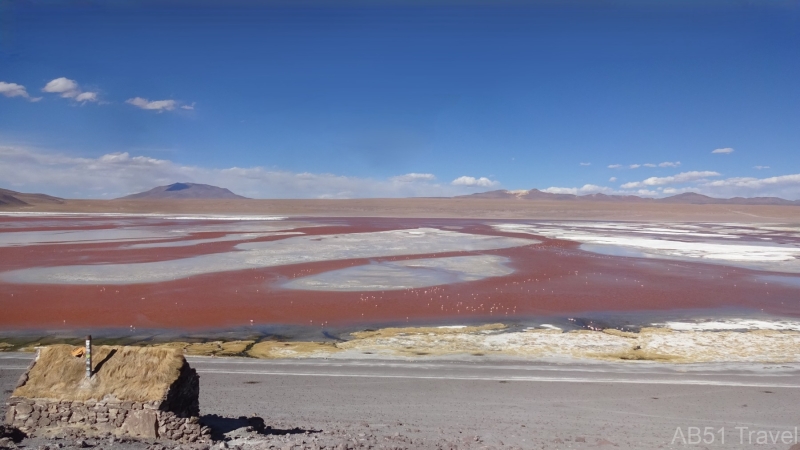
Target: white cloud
{"points": [[614, 166], [585, 189], [117, 174], [635, 166], [67, 88], [612, 179], [16, 90], [414, 177], [188, 107], [155, 105], [649, 165], [586, 164], [684, 177], [723, 151], [475, 182], [669, 164], [757, 184], [761, 167], [64, 86], [86, 97]]}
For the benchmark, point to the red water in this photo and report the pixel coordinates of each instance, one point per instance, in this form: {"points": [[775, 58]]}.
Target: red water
{"points": [[552, 278]]}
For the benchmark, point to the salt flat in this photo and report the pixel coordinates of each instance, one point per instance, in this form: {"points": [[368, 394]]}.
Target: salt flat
{"points": [[713, 244]]}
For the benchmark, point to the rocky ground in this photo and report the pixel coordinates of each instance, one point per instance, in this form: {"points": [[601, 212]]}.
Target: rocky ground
{"points": [[249, 437]]}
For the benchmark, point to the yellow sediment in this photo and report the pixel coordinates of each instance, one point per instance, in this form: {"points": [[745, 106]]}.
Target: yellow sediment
{"points": [[214, 348], [437, 331], [5, 346], [620, 333], [650, 344], [276, 349]]}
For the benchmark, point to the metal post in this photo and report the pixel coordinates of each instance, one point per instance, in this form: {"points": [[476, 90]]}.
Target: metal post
{"points": [[89, 356]]}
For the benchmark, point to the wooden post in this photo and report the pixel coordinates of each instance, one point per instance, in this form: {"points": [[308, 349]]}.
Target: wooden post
{"points": [[89, 356]]}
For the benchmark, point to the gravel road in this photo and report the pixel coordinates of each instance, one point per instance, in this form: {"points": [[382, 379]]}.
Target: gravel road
{"points": [[484, 403]]}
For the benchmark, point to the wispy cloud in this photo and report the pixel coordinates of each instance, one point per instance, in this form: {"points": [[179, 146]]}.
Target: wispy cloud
{"points": [[474, 182], [761, 167], [70, 89], [612, 179], [683, 177], [583, 190], [784, 186], [414, 177], [154, 105], [586, 164], [16, 90], [117, 174], [723, 151], [648, 165]]}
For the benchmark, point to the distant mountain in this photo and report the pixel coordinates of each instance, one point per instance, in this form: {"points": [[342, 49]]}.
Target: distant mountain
{"points": [[688, 198], [185, 191], [14, 198]]}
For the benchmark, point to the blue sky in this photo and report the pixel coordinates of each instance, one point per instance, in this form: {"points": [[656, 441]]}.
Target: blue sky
{"points": [[362, 99]]}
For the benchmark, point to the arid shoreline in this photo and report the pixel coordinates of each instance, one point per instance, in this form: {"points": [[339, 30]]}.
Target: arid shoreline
{"points": [[656, 344], [434, 208]]}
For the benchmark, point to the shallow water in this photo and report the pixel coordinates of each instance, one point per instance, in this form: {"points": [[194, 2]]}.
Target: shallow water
{"points": [[294, 250], [395, 275]]}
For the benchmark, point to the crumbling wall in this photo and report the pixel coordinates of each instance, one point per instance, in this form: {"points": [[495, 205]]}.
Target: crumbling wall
{"points": [[104, 418]]}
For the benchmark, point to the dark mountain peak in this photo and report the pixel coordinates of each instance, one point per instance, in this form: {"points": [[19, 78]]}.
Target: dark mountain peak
{"points": [[178, 187], [690, 197], [185, 191]]}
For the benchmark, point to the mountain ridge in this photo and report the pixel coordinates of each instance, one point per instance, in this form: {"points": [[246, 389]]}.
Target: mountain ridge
{"points": [[14, 198]]}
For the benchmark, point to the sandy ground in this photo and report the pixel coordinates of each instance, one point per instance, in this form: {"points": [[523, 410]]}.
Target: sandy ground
{"points": [[476, 403], [439, 207]]}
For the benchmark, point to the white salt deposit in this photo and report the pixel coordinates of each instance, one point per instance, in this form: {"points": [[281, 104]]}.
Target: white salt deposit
{"points": [[23, 238], [12, 238], [293, 250], [732, 325], [395, 275], [226, 238], [616, 239]]}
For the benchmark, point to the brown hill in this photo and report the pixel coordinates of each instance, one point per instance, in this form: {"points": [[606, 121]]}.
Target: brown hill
{"points": [[14, 198], [185, 191]]}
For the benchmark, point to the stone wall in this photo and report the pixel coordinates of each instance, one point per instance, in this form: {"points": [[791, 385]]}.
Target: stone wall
{"points": [[148, 420]]}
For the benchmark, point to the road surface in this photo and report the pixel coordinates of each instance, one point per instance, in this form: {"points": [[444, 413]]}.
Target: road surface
{"points": [[485, 403]]}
